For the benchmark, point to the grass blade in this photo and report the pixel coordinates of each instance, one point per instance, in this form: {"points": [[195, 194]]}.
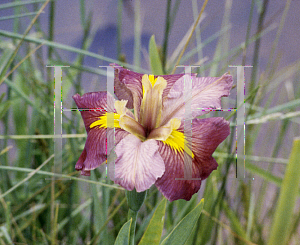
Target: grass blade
{"points": [[182, 231], [155, 62], [287, 199]]}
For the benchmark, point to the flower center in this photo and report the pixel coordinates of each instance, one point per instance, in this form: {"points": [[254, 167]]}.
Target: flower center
{"points": [[151, 105], [169, 135], [148, 124]]}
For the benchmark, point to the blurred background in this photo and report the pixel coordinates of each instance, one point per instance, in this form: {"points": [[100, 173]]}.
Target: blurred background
{"points": [[71, 209]]}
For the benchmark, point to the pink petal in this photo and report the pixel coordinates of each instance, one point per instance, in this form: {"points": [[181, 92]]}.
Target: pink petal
{"points": [[206, 93], [138, 164], [171, 80]]}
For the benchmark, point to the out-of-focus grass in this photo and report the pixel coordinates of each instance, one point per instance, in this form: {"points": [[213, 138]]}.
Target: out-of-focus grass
{"points": [[38, 206]]}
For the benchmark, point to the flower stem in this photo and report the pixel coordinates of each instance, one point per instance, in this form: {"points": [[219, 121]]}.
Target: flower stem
{"points": [[135, 201]]}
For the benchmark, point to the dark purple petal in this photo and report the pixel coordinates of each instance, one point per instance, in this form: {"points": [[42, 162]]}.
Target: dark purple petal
{"points": [[128, 86], [95, 105], [171, 188], [207, 134], [95, 147], [80, 163], [95, 150]]}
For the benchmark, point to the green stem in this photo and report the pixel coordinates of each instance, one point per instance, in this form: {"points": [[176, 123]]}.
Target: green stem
{"points": [[135, 200]]}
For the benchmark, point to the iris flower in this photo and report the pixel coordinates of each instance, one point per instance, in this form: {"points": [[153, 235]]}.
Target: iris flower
{"points": [[149, 143]]}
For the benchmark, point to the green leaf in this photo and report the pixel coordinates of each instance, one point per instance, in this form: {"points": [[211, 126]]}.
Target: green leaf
{"points": [[99, 219], [153, 232], [155, 62], [182, 231], [234, 220], [287, 199], [123, 236], [4, 108]]}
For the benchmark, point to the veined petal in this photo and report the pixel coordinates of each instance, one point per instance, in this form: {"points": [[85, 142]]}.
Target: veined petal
{"points": [[96, 150], [171, 80], [93, 105], [207, 134], [138, 164], [128, 87], [174, 168], [206, 93]]}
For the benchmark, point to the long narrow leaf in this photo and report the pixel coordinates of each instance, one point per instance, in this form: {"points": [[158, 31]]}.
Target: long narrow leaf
{"points": [[287, 199], [155, 62], [123, 236], [182, 231], [154, 230]]}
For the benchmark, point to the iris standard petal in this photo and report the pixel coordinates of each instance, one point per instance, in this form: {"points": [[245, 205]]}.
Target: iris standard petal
{"points": [[138, 164], [206, 93], [128, 87], [171, 80]]}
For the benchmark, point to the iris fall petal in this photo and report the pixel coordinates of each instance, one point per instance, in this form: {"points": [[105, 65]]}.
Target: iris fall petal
{"points": [[138, 164]]}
